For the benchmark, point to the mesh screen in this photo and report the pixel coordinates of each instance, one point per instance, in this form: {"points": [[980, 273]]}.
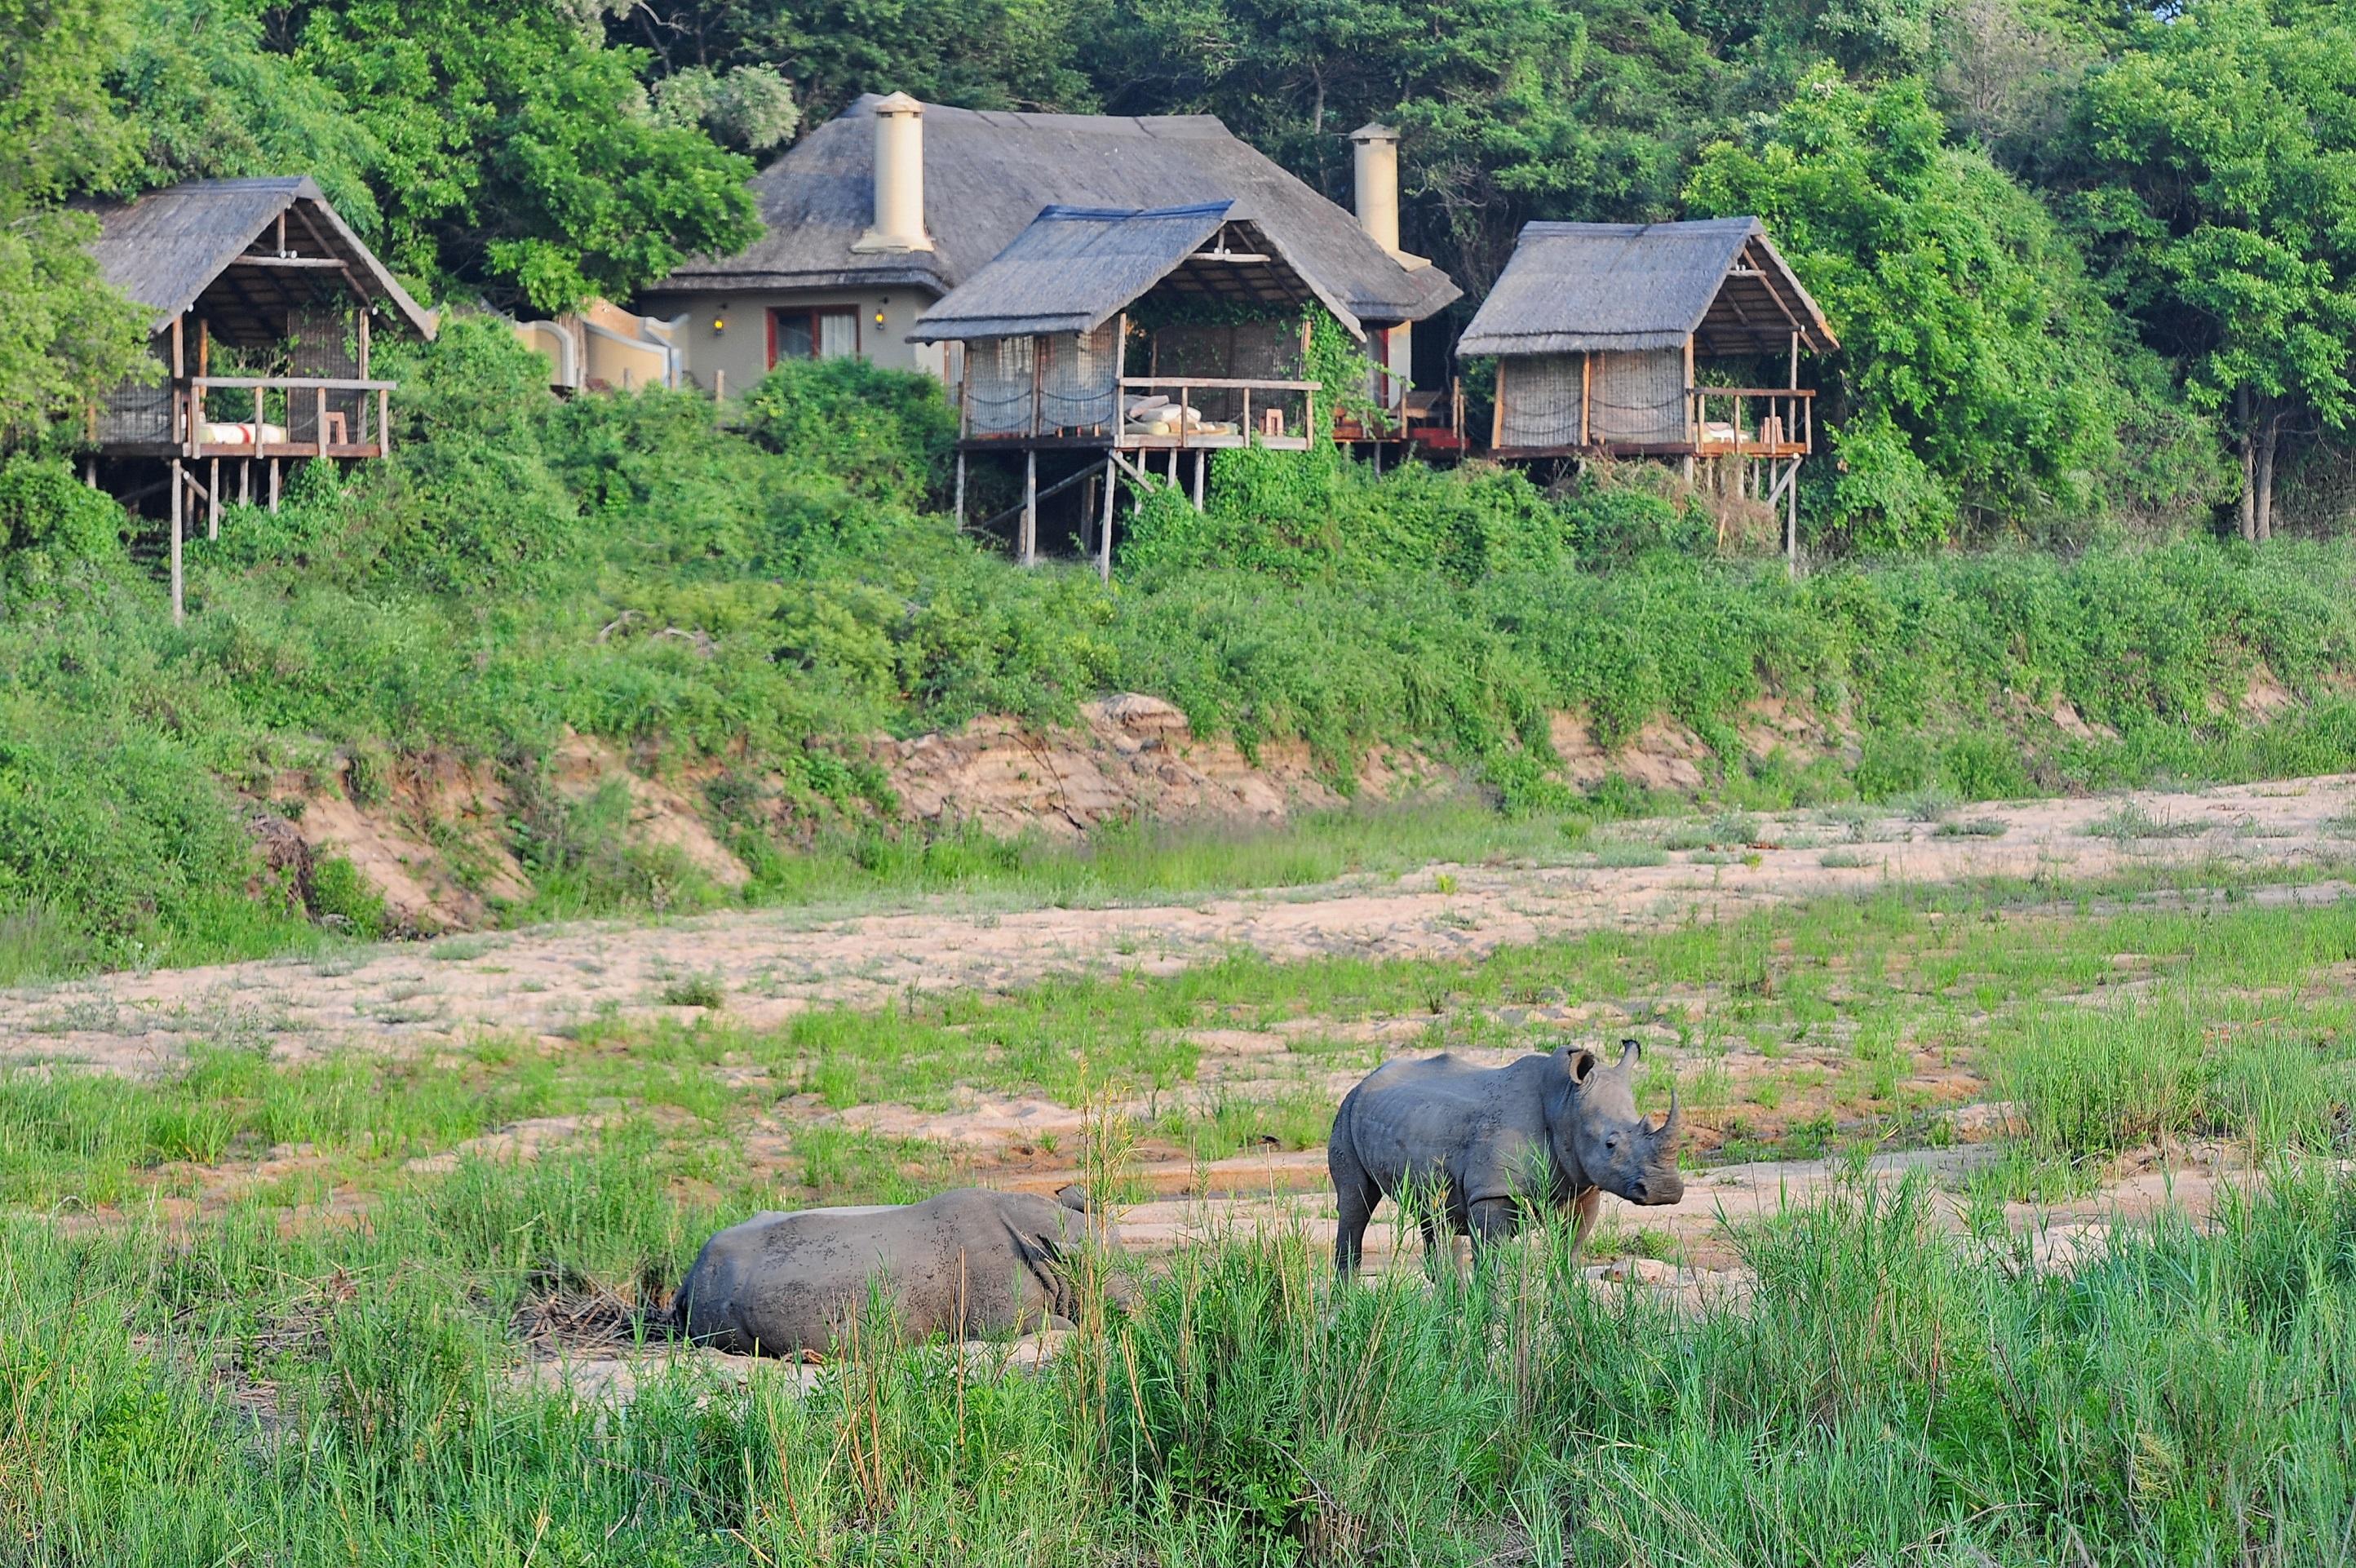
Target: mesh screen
{"points": [[324, 341], [1639, 396], [1540, 405], [998, 386], [1077, 380]]}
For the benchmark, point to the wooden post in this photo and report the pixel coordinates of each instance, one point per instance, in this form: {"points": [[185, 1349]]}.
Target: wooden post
{"points": [[1691, 435], [1497, 409], [1792, 520], [1586, 395], [90, 471], [720, 386], [1104, 523], [212, 502], [180, 610], [180, 431], [1038, 372], [273, 487], [1029, 543], [364, 342], [319, 413], [960, 490], [245, 481], [1246, 425], [1795, 361], [1201, 458], [383, 422]]}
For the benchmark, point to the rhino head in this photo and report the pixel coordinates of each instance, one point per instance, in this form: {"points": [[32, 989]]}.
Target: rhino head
{"points": [[1599, 1133]]}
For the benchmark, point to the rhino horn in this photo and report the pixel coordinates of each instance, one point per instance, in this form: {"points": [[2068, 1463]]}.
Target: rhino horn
{"points": [[1667, 1133], [1629, 1051]]}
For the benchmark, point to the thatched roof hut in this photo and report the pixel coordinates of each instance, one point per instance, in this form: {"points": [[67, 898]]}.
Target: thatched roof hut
{"points": [[1594, 287], [241, 253], [1074, 268]]}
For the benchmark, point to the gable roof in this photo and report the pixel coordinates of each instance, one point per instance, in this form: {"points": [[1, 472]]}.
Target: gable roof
{"points": [[169, 246], [1578, 286], [987, 175], [1075, 267]]}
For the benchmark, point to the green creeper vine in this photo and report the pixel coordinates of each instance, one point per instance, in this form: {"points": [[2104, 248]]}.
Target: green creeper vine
{"points": [[1338, 363]]}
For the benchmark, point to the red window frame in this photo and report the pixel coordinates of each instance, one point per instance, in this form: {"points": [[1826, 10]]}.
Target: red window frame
{"points": [[812, 314]]}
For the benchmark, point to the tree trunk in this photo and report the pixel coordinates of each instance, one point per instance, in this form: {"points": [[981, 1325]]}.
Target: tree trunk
{"points": [[2249, 464], [2263, 473]]}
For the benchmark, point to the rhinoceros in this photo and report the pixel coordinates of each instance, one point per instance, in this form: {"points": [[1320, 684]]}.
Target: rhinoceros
{"points": [[1479, 1146], [966, 1262]]}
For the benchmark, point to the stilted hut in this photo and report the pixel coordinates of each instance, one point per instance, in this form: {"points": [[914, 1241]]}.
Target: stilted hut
{"points": [[265, 305], [1601, 332], [1148, 336]]}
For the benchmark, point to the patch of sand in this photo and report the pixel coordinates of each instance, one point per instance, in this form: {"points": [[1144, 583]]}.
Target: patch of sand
{"points": [[772, 963]]}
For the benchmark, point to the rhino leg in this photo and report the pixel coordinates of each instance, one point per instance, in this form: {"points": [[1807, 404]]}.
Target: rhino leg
{"points": [[1438, 1246], [1586, 1206], [1354, 1197]]}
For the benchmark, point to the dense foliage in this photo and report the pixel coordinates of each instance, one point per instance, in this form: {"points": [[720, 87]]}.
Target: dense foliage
{"points": [[2081, 261], [755, 584]]}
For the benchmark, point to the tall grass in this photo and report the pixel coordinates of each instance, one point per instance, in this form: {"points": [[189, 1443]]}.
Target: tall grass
{"points": [[1885, 1393]]}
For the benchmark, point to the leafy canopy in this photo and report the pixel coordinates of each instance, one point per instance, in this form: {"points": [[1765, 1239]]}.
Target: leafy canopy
{"points": [[2219, 158], [1971, 372]]}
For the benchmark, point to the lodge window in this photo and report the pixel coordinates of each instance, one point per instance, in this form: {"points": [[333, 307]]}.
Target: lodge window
{"points": [[829, 332]]}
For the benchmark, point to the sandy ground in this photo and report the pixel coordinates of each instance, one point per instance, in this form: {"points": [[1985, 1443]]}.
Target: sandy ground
{"points": [[771, 963]]}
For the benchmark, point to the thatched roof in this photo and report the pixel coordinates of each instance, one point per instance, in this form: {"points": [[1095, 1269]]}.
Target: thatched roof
{"points": [[218, 240], [987, 175], [1581, 287], [1075, 267]]}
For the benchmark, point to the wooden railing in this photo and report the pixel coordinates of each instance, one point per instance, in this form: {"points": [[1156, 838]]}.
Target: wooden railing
{"points": [[1753, 420], [1274, 395], [370, 438]]}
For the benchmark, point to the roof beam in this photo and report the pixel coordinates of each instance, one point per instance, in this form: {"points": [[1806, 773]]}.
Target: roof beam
{"points": [[1772, 293]]}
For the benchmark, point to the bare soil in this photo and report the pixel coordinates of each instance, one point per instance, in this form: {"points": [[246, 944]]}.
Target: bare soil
{"points": [[768, 964]]}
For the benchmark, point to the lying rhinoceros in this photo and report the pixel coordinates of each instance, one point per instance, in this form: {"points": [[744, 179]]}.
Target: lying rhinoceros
{"points": [[968, 1263], [1476, 1146]]}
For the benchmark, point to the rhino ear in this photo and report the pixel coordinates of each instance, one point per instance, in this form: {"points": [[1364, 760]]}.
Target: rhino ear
{"points": [[1583, 1066], [1073, 1196]]}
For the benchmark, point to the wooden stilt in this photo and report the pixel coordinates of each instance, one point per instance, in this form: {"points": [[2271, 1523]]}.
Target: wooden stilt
{"points": [[273, 487], [1792, 518], [1029, 543], [212, 502], [90, 472], [1104, 525], [245, 481], [1201, 459], [179, 504], [961, 492]]}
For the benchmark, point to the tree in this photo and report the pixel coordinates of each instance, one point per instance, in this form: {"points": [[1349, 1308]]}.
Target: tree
{"points": [[1974, 373], [977, 54], [2216, 173], [65, 336], [1510, 109], [203, 96], [517, 153]]}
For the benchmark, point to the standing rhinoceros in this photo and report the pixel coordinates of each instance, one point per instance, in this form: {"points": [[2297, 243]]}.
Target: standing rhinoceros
{"points": [[966, 1262], [1478, 1145]]}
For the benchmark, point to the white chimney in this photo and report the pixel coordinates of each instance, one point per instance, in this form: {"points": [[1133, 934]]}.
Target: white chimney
{"points": [[899, 177], [1376, 148]]}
